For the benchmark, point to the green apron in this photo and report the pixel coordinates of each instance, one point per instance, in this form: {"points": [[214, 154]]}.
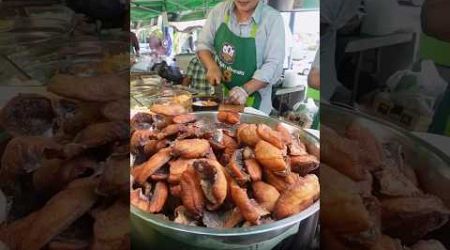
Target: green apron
{"points": [[438, 51], [236, 57]]}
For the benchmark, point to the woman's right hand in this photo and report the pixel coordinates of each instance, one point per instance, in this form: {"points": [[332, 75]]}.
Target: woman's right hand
{"points": [[214, 75]]}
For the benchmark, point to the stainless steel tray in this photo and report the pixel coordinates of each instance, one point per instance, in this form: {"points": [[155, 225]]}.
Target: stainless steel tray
{"points": [[256, 237], [431, 165]]}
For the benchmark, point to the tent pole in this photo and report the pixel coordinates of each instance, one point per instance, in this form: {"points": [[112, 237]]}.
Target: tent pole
{"points": [[144, 8], [178, 4]]}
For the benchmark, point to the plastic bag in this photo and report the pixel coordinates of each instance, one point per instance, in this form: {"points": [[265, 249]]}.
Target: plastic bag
{"points": [[418, 90]]}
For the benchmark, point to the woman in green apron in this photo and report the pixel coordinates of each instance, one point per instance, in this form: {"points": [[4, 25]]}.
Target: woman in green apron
{"points": [[242, 48]]}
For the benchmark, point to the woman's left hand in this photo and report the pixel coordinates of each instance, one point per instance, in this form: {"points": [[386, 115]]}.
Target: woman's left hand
{"points": [[238, 96]]}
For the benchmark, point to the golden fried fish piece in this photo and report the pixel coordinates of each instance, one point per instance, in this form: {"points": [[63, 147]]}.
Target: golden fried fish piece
{"points": [[115, 177], [185, 118], [99, 134], [270, 157], [100, 88], [142, 172], [304, 164], [168, 110], [250, 210], [212, 181], [268, 134], [297, 197], [247, 134], [24, 155], [60, 211], [191, 148], [284, 133], [112, 227], [117, 110], [265, 194], [341, 154], [191, 193]]}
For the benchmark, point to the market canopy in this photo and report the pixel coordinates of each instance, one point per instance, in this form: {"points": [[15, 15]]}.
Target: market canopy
{"points": [[191, 9], [188, 10]]}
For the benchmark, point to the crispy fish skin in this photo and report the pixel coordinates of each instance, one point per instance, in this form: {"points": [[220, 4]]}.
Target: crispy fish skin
{"points": [[12, 234], [228, 116], [230, 147], [253, 169], [268, 134], [213, 182], [170, 130], [140, 138], [99, 134], [168, 110], [270, 157], [60, 211], [112, 227], [341, 153], [139, 199], [159, 197], [284, 133], [142, 172], [265, 194], [176, 169], [235, 168], [185, 118], [371, 151], [101, 88], [281, 183], [117, 110], [24, 154], [191, 148], [247, 134], [304, 164], [57, 173], [115, 178], [242, 201], [297, 197], [191, 193]]}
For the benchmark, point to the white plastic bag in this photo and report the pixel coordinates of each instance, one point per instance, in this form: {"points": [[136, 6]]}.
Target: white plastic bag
{"points": [[419, 90]]}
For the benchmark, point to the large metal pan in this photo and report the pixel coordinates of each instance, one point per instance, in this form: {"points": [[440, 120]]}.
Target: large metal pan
{"points": [[431, 165], [152, 232]]}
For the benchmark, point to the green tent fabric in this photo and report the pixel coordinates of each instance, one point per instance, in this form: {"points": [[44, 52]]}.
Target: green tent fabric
{"points": [[148, 9], [187, 9]]}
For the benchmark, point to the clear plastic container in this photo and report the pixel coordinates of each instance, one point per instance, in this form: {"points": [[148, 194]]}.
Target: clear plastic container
{"points": [[170, 97]]}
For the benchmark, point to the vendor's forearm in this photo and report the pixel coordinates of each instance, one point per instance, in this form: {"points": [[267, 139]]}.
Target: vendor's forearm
{"points": [[207, 59], [254, 85]]}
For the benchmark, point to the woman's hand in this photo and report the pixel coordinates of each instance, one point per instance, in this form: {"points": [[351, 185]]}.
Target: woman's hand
{"points": [[238, 96], [213, 72], [214, 75]]}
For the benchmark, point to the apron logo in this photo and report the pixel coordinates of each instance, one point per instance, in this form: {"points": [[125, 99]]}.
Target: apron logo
{"points": [[227, 74], [227, 53]]}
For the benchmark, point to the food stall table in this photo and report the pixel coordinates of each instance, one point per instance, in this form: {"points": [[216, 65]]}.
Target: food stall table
{"points": [[286, 95], [364, 43]]}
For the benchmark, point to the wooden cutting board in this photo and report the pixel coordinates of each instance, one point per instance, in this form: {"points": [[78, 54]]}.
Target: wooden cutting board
{"points": [[229, 107]]}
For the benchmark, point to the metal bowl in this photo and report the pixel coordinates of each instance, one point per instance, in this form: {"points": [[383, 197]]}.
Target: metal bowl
{"points": [[431, 165], [152, 231], [196, 107]]}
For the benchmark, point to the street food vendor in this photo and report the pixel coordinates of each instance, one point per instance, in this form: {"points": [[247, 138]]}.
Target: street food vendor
{"points": [[242, 47], [134, 44]]}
